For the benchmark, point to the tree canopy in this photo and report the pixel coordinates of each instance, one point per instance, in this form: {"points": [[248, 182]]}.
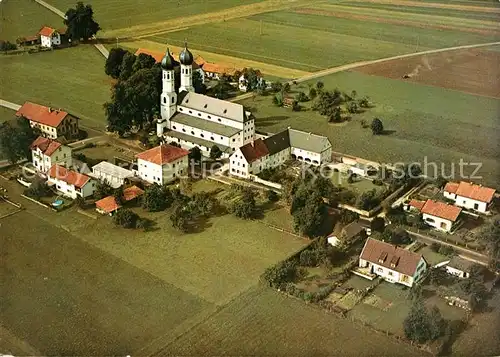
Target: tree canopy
{"points": [[422, 325], [114, 61], [126, 218], [157, 198], [215, 152], [195, 154], [377, 126], [80, 22], [16, 138]]}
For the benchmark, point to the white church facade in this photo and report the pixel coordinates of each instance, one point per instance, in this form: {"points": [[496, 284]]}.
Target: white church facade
{"points": [[191, 119]]}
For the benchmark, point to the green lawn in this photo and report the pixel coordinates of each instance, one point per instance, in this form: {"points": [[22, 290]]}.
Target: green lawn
{"points": [[66, 297], [426, 124], [263, 322], [22, 18], [115, 14], [431, 256], [72, 79]]}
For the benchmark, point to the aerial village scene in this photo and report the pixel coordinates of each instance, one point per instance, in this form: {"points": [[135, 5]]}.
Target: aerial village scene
{"points": [[250, 178]]}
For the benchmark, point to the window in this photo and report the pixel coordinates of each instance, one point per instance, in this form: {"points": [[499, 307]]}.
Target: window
{"points": [[190, 112], [232, 170], [380, 270], [234, 140], [476, 206], [64, 155], [173, 175], [199, 114], [225, 111], [164, 100], [180, 109], [212, 138], [243, 165], [209, 117], [192, 132], [219, 119], [205, 106], [184, 130], [390, 273], [173, 127], [202, 135], [173, 165], [404, 278], [173, 100], [222, 138]]}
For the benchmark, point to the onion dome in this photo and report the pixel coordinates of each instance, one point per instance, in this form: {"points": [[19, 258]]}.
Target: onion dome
{"points": [[167, 63], [186, 57]]}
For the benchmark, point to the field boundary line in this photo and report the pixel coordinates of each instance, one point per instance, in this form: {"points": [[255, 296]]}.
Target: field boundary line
{"points": [[51, 8], [10, 214]]}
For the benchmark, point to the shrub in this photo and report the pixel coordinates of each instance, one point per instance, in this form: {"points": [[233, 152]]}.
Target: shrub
{"points": [[446, 250], [378, 182], [301, 97], [284, 272], [308, 258], [435, 247], [272, 196], [125, 218]]}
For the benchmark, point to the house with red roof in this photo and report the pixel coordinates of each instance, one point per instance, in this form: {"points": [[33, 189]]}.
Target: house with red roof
{"points": [[46, 152], [470, 195], [392, 263], [109, 206], [162, 164], [70, 183], [53, 123], [49, 37], [437, 214]]}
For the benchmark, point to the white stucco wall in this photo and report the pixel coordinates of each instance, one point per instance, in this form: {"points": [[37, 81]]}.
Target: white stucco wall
{"points": [[456, 272], [471, 204], [393, 276], [304, 155], [43, 162], [159, 174], [71, 191], [437, 222]]}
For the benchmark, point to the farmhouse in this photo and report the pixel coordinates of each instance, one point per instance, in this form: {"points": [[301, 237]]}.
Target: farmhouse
{"points": [[394, 264], [46, 152], [49, 37], [348, 235], [52, 123], [440, 215], [162, 164], [470, 196], [192, 119], [414, 206], [261, 154], [112, 174], [243, 81], [216, 71], [70, 183]]}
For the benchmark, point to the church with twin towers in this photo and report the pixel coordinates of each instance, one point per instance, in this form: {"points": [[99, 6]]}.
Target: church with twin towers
{"points": [[192, 119]]}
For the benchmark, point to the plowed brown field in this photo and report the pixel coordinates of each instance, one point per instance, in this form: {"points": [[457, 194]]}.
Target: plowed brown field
{"points": [[473, 71]]}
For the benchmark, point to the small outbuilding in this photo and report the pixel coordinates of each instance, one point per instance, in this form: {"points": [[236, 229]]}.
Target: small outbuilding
{"points": [[112, 174], [459, 267], [348, 235]]}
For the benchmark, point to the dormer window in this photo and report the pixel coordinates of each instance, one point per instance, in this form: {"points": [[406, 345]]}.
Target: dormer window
{"points": [[382, 257]]}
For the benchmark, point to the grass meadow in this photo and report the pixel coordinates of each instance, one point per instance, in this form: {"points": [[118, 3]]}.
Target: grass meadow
{"points": [[264, 322], [23, 18], [423, 123], [72, 79], [115, 14]]}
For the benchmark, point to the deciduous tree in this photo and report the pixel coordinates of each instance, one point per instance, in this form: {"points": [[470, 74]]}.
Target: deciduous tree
{"points": [[422, 325], [195, 154], [125, 218], [114, 62], [80, 22], [156, 198], [377, 126], [215, 152]]}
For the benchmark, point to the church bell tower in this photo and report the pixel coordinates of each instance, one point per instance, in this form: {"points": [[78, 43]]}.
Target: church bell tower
{"points": [[168, 104]]}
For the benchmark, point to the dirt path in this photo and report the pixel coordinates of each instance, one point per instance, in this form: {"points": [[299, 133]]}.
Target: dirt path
{"points": [[157, 28], [437, 5]]}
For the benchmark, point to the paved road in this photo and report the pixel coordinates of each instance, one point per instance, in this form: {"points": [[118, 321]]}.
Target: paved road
{"points": [[9, 105], [51, 8], [473, 255]]}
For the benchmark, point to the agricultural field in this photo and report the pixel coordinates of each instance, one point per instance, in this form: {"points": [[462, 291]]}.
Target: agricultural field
{"points": [[424, 123], [6, 114], [165, 281], [23, 18], [263, 322], [117, 14], [72, 79], [474, 71], [323, 35]]}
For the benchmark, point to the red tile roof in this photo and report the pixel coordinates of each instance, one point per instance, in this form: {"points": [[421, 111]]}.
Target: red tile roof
{"points": [[131, 193], [406, 262], [46, 146], [219, 68], [451, 187], [107, 204], [254, 151], [162, 154], [41, 114], [70, 177], [417, 204], [46, 31], [158, 56], [475, 192], [441, 210]]}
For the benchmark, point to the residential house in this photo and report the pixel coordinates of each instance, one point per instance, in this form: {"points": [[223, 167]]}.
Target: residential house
{"points": [[270, 152], [70, 183], [459, 267], [216, 71], [28, 41], [49, 37], [470, 196], [348, 235], [46, 152], [414, 206], [114, 175], [52, 123], [392, 263], [109, 206], [440, 215], [243, 81], [162, 164]]}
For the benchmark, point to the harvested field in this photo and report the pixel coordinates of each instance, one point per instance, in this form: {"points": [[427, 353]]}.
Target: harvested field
{"points": [[437, 5], [263, 322], [472, 71]]}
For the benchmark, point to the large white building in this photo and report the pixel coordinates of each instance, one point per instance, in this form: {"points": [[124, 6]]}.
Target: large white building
{"points": [[261, 154], [470, 196], [192, 119], [114, 175], [46, 152], [392, 263], [49, 37], [162, 164]]}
